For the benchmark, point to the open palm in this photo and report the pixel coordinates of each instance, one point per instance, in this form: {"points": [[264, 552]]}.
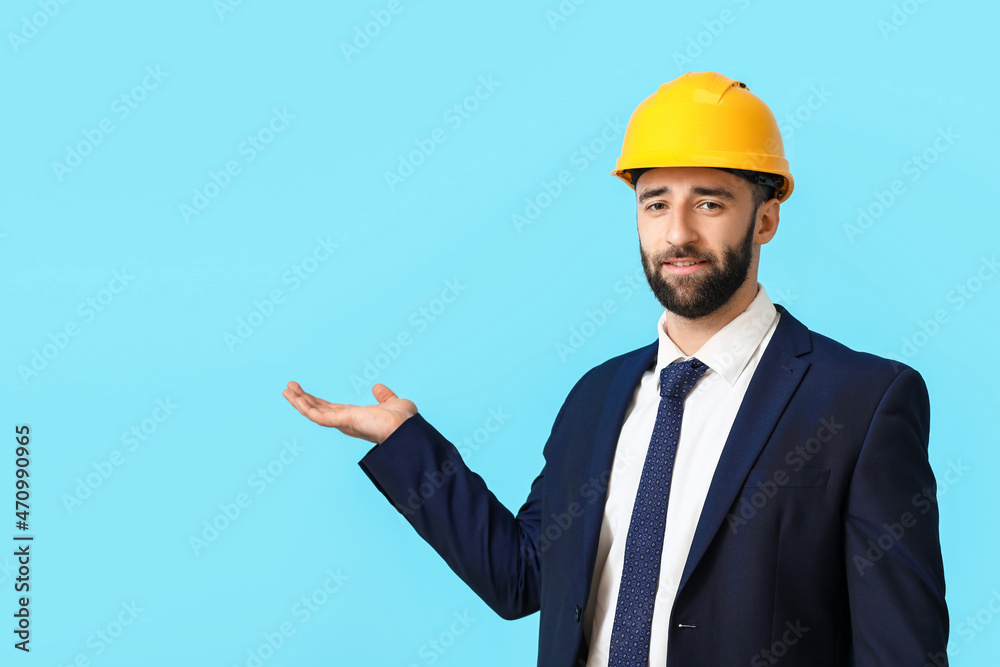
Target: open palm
{"points": [[373, 423]]}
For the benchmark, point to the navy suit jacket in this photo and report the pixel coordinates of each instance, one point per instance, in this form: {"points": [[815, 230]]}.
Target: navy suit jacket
{"points": [[817, 544]]}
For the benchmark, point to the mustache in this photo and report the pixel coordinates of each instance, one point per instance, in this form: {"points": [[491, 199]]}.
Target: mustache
{"points": [[667, 256]]}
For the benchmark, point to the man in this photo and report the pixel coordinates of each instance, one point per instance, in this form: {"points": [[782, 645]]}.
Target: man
{"points": [[740, 491]]}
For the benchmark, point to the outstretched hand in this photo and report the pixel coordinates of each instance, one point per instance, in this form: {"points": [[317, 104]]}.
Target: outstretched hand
{"points": [[373, 423]]}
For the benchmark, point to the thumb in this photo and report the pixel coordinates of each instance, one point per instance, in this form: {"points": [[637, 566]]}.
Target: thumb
{"points": [[382, 393]]}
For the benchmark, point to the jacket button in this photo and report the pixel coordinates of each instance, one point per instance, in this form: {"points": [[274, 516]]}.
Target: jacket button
{"points": [[576, 613]]}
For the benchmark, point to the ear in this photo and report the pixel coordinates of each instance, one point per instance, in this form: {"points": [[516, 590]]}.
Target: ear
{"points": [[767, 220]]}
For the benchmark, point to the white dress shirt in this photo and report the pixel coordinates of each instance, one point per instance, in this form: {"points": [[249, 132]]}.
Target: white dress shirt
{"points": [[732, 355]]}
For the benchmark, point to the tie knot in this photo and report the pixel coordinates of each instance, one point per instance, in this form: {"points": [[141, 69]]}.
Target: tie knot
{"points": [[677, 379]]}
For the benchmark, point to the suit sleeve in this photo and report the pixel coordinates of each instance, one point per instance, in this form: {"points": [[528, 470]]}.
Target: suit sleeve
{"points": [[492, 550], [895, 574]]}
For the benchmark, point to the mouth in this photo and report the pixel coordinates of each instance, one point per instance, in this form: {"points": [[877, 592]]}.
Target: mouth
{"points": [[684, 266]]}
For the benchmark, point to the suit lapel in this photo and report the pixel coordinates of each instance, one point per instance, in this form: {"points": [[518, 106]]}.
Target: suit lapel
{"points": [[606, 435], [778, 375]]}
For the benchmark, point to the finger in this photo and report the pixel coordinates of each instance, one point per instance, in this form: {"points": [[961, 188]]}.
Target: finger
{"points": [[295, 398], [340, 418], [310, 401], [317, 401], [310, 410], [302, 402], [382, 393], [296, 401], [293, 389], [297, 390]]}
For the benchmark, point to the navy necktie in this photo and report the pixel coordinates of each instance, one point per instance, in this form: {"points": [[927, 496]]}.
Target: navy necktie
{"points": [[644, 544]]}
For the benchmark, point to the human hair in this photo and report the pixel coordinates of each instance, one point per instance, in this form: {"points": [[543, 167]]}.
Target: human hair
{"points": [[761, 184], [761, 193]]}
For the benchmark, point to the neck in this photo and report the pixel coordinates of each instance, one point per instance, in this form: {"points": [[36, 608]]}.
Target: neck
{"points": [[689, 335]]}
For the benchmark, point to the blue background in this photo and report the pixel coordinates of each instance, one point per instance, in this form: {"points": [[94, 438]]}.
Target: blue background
{"points": [[862, 91]]}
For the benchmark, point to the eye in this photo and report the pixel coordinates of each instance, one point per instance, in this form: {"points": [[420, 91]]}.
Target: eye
{"points": [[713, 206], [656, 203]]}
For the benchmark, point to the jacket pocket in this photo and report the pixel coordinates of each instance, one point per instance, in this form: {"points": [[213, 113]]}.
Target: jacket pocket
{"points": [[788, 479]]}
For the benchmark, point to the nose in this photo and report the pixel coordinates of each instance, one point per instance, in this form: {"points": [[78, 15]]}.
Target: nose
{"points": [[679, 228]]}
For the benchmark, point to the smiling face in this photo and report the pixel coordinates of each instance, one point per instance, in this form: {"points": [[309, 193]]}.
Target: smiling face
{"points": [[705, 216]]}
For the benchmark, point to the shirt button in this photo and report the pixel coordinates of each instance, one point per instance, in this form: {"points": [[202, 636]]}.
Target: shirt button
{"points": [[576, 613]]}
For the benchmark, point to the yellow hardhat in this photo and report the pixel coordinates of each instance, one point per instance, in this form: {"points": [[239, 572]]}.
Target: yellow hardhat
{"points": [[704, 119]]}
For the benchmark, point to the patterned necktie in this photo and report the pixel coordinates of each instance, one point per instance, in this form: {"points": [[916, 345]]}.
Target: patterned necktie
{"points": [[644, 544]]}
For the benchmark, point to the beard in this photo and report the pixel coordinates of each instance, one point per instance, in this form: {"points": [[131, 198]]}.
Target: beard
{"points": [[705, 291]]}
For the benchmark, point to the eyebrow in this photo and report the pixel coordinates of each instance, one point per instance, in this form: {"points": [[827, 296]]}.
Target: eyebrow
{"points": [[721, 193], [649, 193]]}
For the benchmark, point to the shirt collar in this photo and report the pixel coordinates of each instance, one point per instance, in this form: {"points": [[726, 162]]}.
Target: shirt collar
{"points": [[730, 348]]}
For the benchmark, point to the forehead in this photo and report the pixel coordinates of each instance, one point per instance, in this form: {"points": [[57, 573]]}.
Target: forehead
{"points": [[680, 179]]}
